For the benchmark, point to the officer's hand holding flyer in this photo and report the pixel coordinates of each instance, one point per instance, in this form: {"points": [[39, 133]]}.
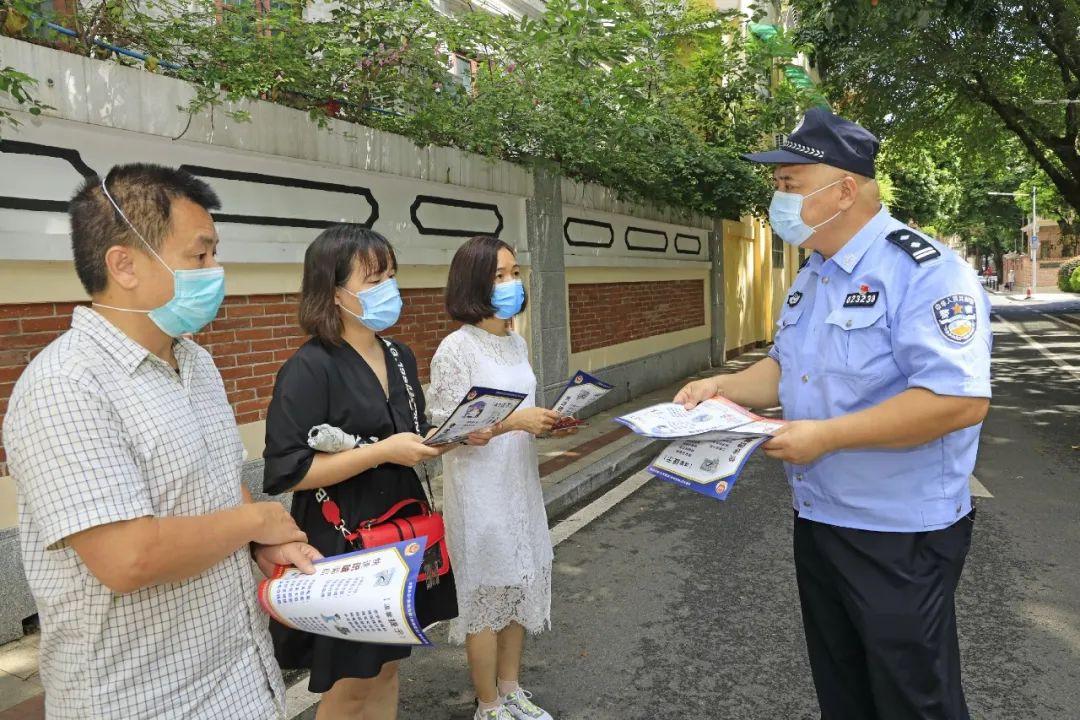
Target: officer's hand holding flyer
{"points": [[366, 596], [716, 439], [480, 409], [582, 390]]}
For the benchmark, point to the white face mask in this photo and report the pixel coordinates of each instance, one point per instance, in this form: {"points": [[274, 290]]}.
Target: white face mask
{"points": [[785, 215]]}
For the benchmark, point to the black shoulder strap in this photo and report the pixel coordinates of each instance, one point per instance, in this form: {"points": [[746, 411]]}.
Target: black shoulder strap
{"points": [[421, 469], [915, 245]]}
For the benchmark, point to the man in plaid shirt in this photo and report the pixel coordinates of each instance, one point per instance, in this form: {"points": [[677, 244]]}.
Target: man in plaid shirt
{"points": [[136, 532]]}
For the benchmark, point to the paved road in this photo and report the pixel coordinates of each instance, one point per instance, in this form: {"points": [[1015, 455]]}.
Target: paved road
{"points": [[672, 606]]}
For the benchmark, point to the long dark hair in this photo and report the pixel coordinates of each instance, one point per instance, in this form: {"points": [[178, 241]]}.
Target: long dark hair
{"points": [[328, 263], [472, 279]]}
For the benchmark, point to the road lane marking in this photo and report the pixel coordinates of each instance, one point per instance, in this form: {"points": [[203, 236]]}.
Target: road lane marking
{"points": [[1067, 324], [598, 507], [1064, 365], [977, 488]]}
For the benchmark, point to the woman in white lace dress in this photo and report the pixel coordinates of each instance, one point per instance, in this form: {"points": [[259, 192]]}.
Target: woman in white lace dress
{"points": [[496, 524]]}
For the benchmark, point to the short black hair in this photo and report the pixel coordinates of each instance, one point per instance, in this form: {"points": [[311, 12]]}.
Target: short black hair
{"points": [[145, 193], [328, 263], [472, 279]]}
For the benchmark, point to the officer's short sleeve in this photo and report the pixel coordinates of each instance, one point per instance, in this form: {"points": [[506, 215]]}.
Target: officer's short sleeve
{"points": [[941, 333]]}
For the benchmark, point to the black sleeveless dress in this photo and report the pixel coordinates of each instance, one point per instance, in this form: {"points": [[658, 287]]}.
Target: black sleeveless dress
{"points": [[324, 383]]}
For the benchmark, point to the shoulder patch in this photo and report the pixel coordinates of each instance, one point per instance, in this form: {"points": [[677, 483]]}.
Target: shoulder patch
{"points": [[916, 246], [957, 318]]}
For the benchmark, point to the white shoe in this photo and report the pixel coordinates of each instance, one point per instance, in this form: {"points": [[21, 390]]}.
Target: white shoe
{"points": [[499, 713], [521, 707]]}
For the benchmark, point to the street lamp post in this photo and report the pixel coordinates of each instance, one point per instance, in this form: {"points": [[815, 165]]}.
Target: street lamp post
{"points": [[1034, 243]]}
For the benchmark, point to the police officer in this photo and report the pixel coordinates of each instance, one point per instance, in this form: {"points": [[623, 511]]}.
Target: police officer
{"points": [[881, 363]]}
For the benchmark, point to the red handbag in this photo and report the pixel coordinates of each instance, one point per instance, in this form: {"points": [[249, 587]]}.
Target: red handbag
{"points": [[388, 528]]}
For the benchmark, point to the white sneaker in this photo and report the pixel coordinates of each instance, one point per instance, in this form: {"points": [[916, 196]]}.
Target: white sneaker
{"points": [[521, 707], [499, 713]]}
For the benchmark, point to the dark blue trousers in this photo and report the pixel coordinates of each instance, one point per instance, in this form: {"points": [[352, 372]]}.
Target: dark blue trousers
{"points": [[880, 620]]}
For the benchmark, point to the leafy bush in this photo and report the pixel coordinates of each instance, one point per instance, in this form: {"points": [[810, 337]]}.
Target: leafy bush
{"points": [[1074, 282], [1066, 275]]}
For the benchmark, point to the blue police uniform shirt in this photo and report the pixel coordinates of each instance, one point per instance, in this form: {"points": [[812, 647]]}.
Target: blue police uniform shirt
{"points": [[860, 328]]}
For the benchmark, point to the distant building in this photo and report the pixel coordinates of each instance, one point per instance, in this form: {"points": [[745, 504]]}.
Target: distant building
{"points": [[1054, 249]]}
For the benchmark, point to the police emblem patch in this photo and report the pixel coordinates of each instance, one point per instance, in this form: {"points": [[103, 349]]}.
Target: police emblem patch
{"points": [[794, 298], [956, 318]]}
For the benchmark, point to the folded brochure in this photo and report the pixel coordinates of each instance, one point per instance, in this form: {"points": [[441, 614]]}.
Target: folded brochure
{"points": [[713, 442], [366, 596], [582, 390], [481, 408]]}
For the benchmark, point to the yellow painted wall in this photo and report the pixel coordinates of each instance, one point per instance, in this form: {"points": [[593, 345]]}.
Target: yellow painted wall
{"points": [[754, 290], [742, 319]]}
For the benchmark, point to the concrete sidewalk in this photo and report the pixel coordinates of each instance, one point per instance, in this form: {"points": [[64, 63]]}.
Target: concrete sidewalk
{"points": [[1042, 297], [572, 468]]}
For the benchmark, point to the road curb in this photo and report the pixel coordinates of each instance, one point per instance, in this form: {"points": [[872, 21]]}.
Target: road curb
{"points": [[595, 476]]}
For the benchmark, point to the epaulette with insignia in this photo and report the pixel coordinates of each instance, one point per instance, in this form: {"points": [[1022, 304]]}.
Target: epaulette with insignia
{"points": [[919, 248]]}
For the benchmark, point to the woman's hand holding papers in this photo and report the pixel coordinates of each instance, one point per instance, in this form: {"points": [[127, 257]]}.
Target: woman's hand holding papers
{"points": [[534, 420]]}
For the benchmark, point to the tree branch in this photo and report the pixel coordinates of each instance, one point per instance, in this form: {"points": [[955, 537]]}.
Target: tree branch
{"points": [[1054, 42], [1014, 121], [1059, 42], [1065, 23], [1038, 129]]}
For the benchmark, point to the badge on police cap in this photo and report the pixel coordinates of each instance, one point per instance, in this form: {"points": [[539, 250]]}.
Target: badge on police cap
{"points": [[956, 318]]}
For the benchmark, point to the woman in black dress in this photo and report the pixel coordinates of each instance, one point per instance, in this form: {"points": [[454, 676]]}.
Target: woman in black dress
{"points": [[346, 377]]}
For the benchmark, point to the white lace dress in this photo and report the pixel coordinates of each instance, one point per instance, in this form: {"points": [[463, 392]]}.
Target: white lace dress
{"points": [[496, 525]]}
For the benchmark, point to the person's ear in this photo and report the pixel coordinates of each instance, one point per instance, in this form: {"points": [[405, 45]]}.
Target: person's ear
{"points": [[849, 192], [120, 265]]}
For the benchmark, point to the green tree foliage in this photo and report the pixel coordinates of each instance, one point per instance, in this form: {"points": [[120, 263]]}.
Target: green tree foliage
{"points": [[959, 68], [15, 86], [654, 99]]}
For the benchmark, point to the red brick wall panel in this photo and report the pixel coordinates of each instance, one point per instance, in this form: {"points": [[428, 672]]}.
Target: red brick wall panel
{"points": [[250, 339], [605, 314]]}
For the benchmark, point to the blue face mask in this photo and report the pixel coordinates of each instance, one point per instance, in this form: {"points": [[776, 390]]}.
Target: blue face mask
{"points": [[785, 216], [197, 294], [381, 305], [508, 298]]}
